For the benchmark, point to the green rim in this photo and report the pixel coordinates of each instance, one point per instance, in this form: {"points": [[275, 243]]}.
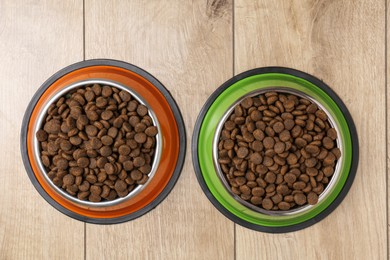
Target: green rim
{"points": [[216, 112]]}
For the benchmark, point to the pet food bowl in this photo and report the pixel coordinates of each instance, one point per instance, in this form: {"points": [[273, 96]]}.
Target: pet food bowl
{"points": [[209, 126], [170, 140]]}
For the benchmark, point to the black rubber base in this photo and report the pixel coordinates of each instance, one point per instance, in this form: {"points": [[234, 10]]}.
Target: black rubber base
{"points": [[318, 83], [158, 85]]}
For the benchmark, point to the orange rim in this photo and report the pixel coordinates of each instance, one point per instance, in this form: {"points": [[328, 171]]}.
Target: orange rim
{"points": [[169, 129]]}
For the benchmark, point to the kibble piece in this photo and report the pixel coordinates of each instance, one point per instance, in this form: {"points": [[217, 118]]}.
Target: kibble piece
{"points": [[272, 99], [97, 89], [94, 198], [145, 169], [128, 165], [256, 158], [136, 175], [279, 147], [120, 185], [336, 152], [92, 115], [106, 91], [312, 149], [83, 162], [105, 151], [52, 127], [244, 189], [82, 195], [312, 198], [299, 185], [142, 110], [109, 168], [151, 131], [139, 161], [312, 171], [310, 162], [300, 198], [97, 190], [45, 160], [140, 127], [289, 124], [328, 171], [331, 133], [327, 143], [321, 114], [329, 159], [290, 178], [292, 159], [247, 103], [258, 191], [89, 95], [256, 115], [256, 200], [289, 104], [68, 180], [41, 135], [311, 109], [107, 115], [62, 164], [124, 150], [282, 189], [228, 144], [268, 161], [257, 146], [140, 138], [230, 125], [284, 136], [278, 127], [270, 177], [268, 142], [242, 152], [91, 130], [125, 96], [112, 132], [267, 204], [284, 205], [277, 198], [76, 171], [258, 134]]}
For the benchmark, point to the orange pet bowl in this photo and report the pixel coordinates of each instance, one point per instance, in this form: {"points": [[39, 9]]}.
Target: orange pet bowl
{"points": [[171, 141]]}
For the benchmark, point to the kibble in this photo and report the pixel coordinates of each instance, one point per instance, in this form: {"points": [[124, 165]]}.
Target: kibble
{"points": [[97, 143], [278, 151]]}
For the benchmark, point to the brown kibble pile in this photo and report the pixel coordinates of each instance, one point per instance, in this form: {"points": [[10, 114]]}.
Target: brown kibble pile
{"points": [[97, 143], [278, 151]]}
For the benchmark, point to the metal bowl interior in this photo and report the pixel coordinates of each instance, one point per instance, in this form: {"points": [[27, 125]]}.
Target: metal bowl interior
{"points": [[222, 177], [40, 119]]}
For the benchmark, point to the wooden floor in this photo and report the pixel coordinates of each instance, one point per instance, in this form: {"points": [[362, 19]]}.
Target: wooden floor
{"points": [[192, 47]]}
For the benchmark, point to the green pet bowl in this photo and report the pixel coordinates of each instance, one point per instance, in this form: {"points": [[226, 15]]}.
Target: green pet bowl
{"points": [[208, 127]]}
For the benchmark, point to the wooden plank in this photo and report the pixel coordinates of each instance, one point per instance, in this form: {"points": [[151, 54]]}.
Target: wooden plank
{"points": [[36, 40], [188, 46], [341, 42]]}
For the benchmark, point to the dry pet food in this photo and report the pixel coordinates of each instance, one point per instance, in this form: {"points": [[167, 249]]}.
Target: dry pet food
{"points": [[97, 143], [278, 151]]}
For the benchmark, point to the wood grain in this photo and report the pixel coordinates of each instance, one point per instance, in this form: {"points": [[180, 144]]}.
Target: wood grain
{"points": [[37, 38], [187, 46], [341, 42]]}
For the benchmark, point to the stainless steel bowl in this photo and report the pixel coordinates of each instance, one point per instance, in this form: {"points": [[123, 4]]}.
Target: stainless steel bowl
{"points": [[39, 122], [335, 178]]}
